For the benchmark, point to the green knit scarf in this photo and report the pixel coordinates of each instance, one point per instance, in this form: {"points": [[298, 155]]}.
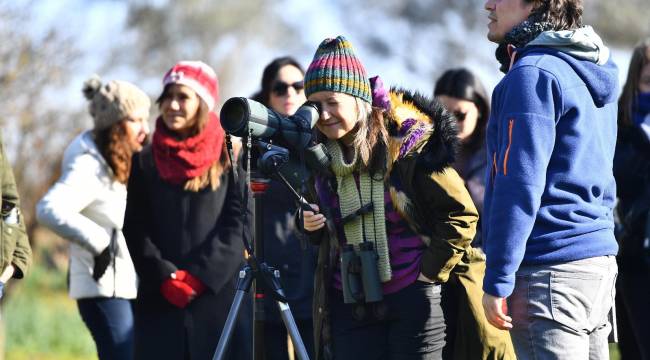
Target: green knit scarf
{"points": [[374, 223]]}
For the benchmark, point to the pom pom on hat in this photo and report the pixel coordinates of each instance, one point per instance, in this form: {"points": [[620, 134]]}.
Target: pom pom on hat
{"points": [[91, 86]]}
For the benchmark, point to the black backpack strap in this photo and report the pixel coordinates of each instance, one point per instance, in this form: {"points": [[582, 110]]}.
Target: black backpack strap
{"points": [[231, 158]]}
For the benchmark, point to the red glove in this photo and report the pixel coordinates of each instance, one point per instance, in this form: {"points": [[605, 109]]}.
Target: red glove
{"points": [[177, 292], [190, 280]]}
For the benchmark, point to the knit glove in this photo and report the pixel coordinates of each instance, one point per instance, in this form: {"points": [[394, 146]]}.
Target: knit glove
{"points": [[101, 263], [177, 292], [190, 280]]}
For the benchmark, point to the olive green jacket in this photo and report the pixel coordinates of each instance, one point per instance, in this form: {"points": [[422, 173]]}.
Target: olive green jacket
{"points": [[14, 245], [432, 198]]}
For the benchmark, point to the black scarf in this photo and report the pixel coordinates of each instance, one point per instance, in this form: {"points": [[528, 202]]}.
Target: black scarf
{"points": [[519, 36]]}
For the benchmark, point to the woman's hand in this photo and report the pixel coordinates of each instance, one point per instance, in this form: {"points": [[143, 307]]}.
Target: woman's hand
{"points": [[312, 220], [7, 273]]}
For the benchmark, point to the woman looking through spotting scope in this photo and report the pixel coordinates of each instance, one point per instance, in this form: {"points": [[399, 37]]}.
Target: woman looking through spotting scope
{"points": [[393, 195]]}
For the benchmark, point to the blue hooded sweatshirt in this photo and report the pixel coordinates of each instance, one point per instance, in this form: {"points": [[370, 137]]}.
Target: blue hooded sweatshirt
{"points": [[550, 189]]}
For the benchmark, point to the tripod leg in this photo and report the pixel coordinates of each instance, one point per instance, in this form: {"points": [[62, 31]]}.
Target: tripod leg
{"points": [[243, 284], [286, 315], [292, 329]]}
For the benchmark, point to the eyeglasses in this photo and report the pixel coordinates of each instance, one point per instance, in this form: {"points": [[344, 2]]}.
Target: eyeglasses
{"points": [[281, 88], [460, 116]]}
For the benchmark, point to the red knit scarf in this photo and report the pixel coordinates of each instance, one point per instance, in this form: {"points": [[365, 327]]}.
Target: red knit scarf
{"points": [[180, 160]]}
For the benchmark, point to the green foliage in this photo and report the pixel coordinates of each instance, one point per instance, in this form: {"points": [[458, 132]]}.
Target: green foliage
{"points": [[42, 322]]}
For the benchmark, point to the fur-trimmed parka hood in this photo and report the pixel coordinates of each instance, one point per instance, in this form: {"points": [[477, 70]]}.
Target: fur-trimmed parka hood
{"points": [[419, 125]]}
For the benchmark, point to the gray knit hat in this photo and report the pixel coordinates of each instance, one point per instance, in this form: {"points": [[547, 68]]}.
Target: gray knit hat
{"points": [[114, 101]]}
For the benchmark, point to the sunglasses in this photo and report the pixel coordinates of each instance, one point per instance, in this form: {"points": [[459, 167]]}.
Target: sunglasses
{"points": [[460, 116], [281, 88]]}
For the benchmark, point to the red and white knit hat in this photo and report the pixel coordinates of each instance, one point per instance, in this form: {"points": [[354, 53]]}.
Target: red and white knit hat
{"points": [[198, 76]]}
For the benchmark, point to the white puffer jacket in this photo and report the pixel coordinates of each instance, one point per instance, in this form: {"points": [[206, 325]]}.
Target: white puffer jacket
{"points": [[85, 206]]}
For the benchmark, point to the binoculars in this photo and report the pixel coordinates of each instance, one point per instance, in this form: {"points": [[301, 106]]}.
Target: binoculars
{"points": [[360, 275]]}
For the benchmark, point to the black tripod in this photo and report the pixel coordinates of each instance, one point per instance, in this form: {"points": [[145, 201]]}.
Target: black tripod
{"points": [[264, 277]]}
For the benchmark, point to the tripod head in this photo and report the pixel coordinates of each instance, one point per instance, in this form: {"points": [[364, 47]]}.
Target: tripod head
{"points": [[270, 163], [270, 160]]}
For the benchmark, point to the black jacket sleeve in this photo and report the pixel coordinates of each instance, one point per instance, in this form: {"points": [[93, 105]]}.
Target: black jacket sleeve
{"points": [[149, 264]]}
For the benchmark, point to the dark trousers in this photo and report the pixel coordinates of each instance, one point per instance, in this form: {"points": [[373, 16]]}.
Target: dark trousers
{"points": [[633, 300], [275, 339], [450, 298], [110, 321], [413, 326]]}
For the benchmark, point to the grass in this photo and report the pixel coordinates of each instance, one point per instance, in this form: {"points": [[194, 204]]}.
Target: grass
{"points": [[613, 352], [42, 322]]}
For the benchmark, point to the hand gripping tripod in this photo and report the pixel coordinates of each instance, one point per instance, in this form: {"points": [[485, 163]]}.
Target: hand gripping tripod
{"points": [[264, 277]]}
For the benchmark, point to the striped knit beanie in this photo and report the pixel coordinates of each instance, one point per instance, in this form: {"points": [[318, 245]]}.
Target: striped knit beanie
{"points": [[336, 68]]}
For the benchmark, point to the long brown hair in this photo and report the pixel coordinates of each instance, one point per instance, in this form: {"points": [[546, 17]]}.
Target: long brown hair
{"points": [[640, 58], [212, 176], [116, 146], [371, 138]]}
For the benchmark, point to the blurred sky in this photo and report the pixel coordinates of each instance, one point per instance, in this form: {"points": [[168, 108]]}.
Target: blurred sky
{"points": [[98, 26]]}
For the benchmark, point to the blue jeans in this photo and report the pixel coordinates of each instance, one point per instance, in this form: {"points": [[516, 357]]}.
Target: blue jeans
{"points": [[110, 321], [561, 311], [413, 327]]}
